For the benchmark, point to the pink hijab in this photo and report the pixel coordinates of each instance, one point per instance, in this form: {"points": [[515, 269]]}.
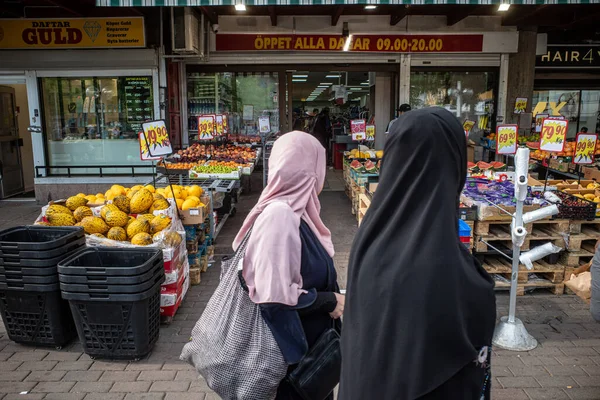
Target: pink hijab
{"points": [[271, 266]]}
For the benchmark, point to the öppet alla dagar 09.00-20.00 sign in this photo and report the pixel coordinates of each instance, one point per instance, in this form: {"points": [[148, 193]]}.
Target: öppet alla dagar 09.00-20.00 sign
{"points": [[438, 43]]}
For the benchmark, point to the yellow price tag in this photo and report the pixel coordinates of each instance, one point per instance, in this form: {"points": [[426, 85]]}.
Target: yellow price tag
{"points": [[206, 127], [370, 132], [585, 148], [220, 125], [520, 105], [156, 139], [506, 139], [468, 125], [553, 135]]}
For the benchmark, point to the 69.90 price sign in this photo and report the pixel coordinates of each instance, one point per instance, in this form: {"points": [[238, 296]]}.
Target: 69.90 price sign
{"points": [[506, 139], [585, 148], [553, 135]]}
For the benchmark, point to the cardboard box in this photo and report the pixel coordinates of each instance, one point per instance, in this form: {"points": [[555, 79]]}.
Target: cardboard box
{"points": [[471, 153], [193, 216], [591, 173]]}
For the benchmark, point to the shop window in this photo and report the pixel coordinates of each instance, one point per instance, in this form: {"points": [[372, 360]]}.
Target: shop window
{"points": [[468, 95], [590, 111], [241, 97], [560, 103], [94, 121]]}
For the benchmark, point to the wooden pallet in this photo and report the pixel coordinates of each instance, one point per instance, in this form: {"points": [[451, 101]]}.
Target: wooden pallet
{"points": [[592, 227], [578, 241], [500, 234], [555, 288], [576, 258], [355, 194], [363, 205], [542, 228], [554, 273]]}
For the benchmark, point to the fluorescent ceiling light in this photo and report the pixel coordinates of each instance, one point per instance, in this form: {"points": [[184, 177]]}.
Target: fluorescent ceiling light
{"points": [[298, 80], [325, 83], [299, 76], [503, 7], [332, 76], [240, 7], [354, 89], [370, 7], [348, 42], [365, 83]]}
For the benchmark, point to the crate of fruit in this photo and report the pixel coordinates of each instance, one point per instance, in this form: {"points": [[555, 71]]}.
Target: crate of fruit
{"points": [[574, 207], [214, 172]]}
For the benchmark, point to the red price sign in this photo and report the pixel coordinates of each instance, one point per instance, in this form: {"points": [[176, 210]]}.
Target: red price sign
{"points": [[585, 148], [206, 127], [156, 139], [553, 135], [358, 128], [506, 139]]}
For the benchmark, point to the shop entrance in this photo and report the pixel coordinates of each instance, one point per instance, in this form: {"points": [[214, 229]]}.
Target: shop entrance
{"points": [[16, 155]]}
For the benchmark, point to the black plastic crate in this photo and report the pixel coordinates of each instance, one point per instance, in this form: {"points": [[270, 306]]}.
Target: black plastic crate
{"points": [[28, 279], [110, 261], [106, 279], [36, 263], [125, 329], [18, 269], [37, 318], [157, 278], [30, 287], [37, 239], [44, 254]]}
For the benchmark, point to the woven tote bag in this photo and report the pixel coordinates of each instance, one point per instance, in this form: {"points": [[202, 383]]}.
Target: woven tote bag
{"points": [[231, 345]]}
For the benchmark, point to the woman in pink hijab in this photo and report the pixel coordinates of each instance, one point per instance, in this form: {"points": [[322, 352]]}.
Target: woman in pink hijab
{"points": [[288, 265]]}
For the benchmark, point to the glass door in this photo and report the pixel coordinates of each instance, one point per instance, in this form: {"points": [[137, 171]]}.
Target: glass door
{"points": [[11, 172]]}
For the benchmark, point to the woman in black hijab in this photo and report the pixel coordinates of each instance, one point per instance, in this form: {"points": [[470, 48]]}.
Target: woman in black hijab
{"points": [[420, 311]]}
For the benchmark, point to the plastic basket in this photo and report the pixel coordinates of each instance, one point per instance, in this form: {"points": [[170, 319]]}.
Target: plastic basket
{"points": [[37, 239], [123, 330], [110, 261], [113, 280], [29, 279], [157, 278], [44, 254], [37, 318], [37, 262], [18, 269], [30, 287]]}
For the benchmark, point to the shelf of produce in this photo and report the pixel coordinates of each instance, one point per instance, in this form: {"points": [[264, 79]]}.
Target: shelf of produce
{"points": [[217, 185]]}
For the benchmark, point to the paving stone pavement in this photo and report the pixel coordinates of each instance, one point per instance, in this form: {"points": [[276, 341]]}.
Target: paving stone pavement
{"points": [[566, 365]]}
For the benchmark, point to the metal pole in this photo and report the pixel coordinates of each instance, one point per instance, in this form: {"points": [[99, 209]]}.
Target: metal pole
{"points": [[515, 266]]}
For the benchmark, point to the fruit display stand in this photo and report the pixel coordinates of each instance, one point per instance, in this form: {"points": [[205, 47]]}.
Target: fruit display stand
{"points": [[129, 218]]}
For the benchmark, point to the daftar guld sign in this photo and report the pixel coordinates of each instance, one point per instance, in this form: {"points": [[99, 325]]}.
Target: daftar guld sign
{"points": [[72, 33]]}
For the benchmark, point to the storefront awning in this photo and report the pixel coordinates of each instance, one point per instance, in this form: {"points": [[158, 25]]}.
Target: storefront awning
{"points": [[207, 3]]}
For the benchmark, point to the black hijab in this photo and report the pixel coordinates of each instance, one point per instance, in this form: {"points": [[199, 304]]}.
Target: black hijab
{"points": [[419, 306]]}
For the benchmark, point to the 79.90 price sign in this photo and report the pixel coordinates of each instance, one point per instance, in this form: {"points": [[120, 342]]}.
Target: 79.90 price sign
{"points": [[585, 148], [506, 139], [553, 135]]}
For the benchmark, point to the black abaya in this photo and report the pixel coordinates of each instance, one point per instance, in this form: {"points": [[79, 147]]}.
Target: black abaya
{"points": [[419, 307]]}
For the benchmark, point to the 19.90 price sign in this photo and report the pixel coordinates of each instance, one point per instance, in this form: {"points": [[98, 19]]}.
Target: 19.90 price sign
{"points": [[585, 148], [553, 135], [506, 139]]}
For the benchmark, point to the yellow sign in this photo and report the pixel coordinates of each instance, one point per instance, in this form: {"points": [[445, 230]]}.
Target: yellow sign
{"points": [[520, 105], [206, 127], [553, 135], [468, 125], [370, 132], [59, 33], [156, 137], [506, 139], [585, 148]]}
